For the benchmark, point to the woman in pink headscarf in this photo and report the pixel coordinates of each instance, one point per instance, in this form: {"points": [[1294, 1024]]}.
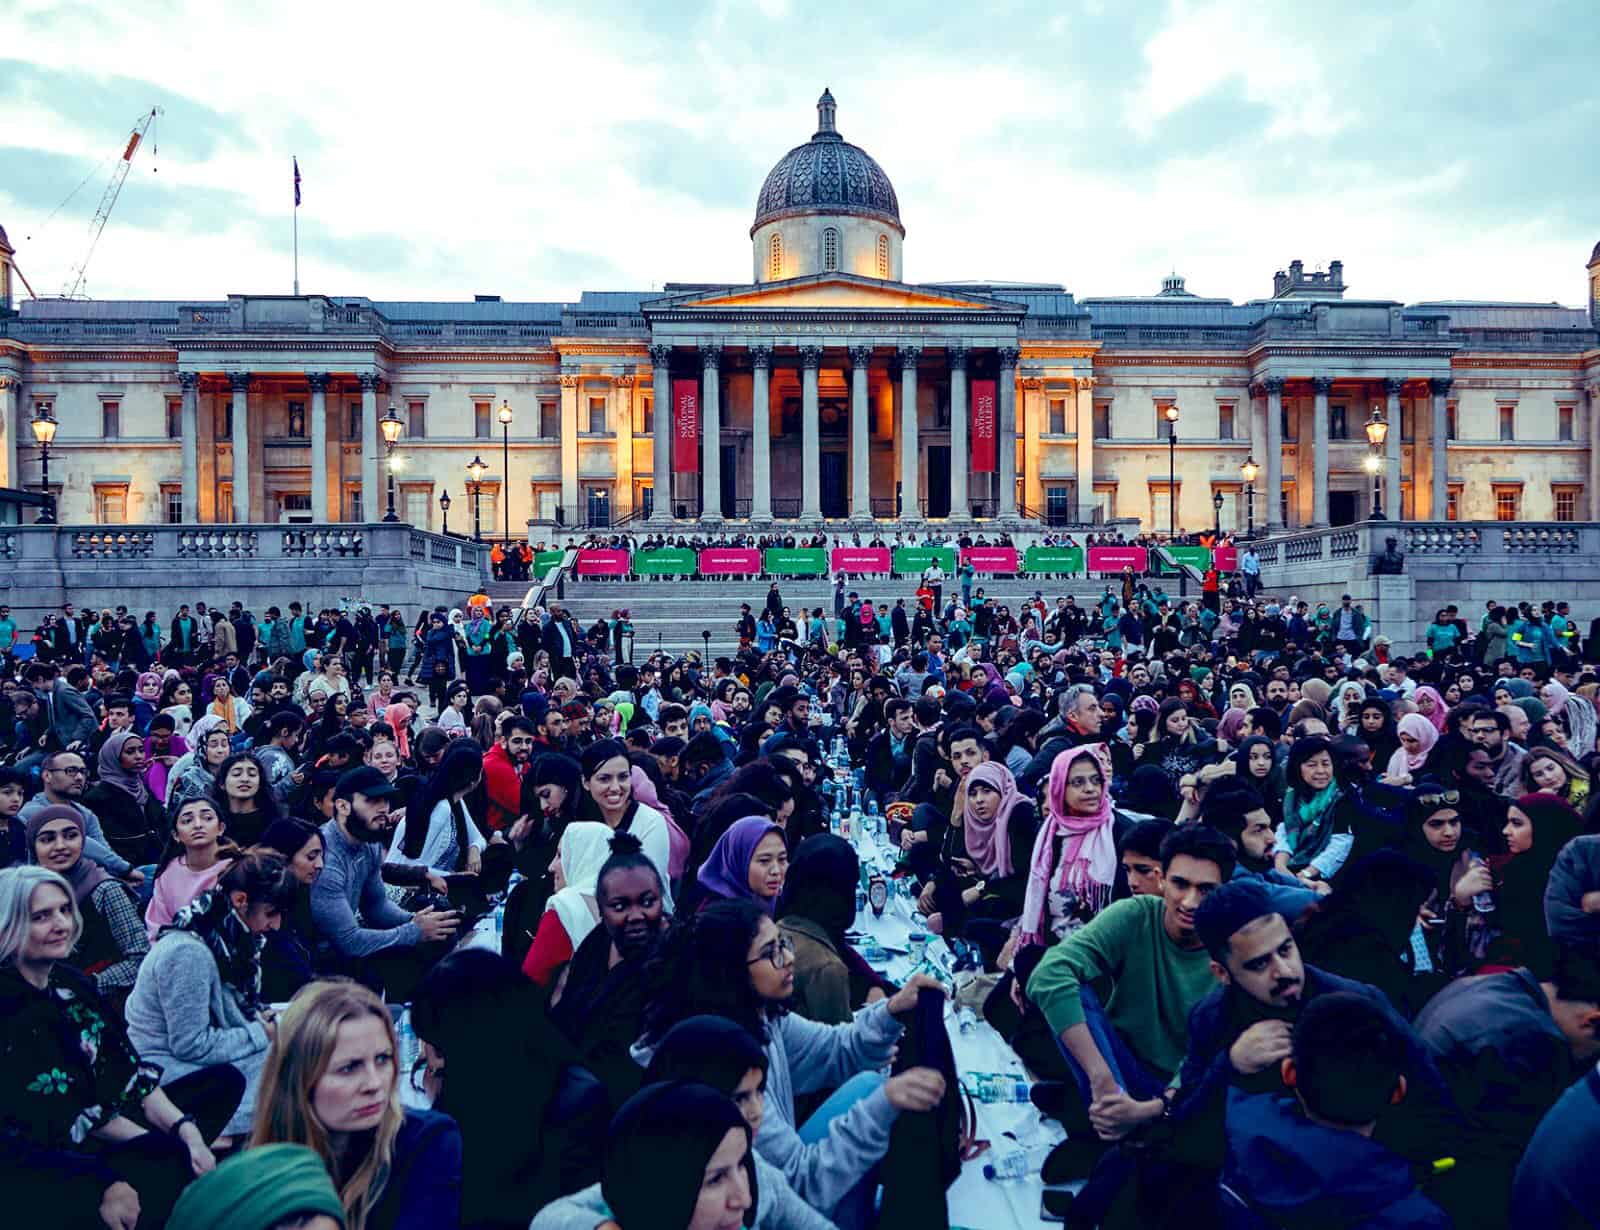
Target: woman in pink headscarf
{"points": [[1431, 706], [678, 844], [984, 860], [399, 715], [1074, 863], [1417, 737]]}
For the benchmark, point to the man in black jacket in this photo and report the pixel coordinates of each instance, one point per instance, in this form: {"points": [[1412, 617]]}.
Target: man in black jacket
{"points": [[889, 751], [1079, 723]]}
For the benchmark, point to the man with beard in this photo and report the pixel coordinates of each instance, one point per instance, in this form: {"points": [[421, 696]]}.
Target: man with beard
{"points": [[349, 906], [504, 766], [598, 1000]]}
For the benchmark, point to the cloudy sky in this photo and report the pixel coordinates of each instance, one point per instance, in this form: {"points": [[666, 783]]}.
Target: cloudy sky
{"points": [[1442, 149]]}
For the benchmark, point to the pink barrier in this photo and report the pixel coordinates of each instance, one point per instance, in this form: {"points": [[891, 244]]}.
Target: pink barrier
{"points": [[1226, 559], [1115, 559], [726, 561], [859, 559], [990, 559], [593, 562]]}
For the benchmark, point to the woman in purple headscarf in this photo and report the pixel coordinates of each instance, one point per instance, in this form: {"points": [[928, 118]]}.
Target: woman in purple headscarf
{"points": [[748, 863]]}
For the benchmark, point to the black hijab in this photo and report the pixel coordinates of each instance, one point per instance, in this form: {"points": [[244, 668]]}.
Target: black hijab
{"points": [[656, 1156], [821, 885]]}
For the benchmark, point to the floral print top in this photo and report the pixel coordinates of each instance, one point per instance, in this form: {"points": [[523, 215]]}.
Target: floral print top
{"points": [[66, 1065]]}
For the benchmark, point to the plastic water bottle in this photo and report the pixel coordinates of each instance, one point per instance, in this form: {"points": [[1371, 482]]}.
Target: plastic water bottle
{"points": [[1002, 1087], [406, 1039], [499, 920], [966, 1020], [1013, 1163], [1482, 902]]}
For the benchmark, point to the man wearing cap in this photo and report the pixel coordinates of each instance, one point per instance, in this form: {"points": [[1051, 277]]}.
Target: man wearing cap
{"points": [[349, 906]]}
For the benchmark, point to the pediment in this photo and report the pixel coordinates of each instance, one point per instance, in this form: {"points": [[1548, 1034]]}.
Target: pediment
{"points": [[836, 291]]}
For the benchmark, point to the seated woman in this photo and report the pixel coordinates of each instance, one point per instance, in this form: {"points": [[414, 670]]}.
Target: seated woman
{"points": [[1417, 736], [747, 863], [732, 961], [478, 1070], [818, 906], [195, 776], [132, 818], [1316, 835], [243, 799], [1547, 770], [608, 785], [571, 913], [1435, 838], [90, 1137], [196, 855], [985, 853], [438, 832], [197, 1001], [1179, 746], [289, 958], [111, 941], [164, 747], [232, 710], [331, 1082], [1256, 764]]}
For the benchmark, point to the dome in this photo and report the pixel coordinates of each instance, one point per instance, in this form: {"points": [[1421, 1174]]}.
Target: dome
{"points": [[4, 242], [827, 175], [1593, 256]]}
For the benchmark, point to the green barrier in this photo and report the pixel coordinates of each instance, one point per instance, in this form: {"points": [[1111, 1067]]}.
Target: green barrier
{"points": [[665, 562], [1200, 557], [920, 559], [1053, 559], [543, 561], [796, 561]]}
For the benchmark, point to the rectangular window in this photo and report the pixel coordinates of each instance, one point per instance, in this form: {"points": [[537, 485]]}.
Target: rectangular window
{"points": [[1231, 516], [1105, 500], [1102, 420], [1225, 412], [1566, 502], [1163, 425], [1507, 503], [223, 427], [1406, 420], [417, 507], [44, 406], [1288, 426], [295, 507], [647, 417], [172, 503], [297, 420], [417, 420], [352, 423], [1058, 416], [549, 421], [597, 416], [480, 420], [1564, 417], [1339, 422], [547, 499], [111, 421], [1452, 502], [224, 503], [647, 501], [110, 504], [1161, 510], [175, 419], [1058, 505], [1508, 423], [353, 510], [1451, 431]]}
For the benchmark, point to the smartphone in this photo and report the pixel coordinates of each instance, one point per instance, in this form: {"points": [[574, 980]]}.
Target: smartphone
{"points": [[1055, 1203]]}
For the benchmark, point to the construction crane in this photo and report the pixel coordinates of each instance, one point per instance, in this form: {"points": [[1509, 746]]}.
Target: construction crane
{"points": [[107, 200]]}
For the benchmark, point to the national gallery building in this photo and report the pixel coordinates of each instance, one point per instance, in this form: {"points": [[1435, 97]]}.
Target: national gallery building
{"points": [[828, 386]]}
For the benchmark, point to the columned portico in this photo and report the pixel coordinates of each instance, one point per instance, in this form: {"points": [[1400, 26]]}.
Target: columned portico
{"points": [[661, 436], [370, 493], [10, 424], [1008, 432], [1440, 485], [960, 461], [319, 445], [239, 383], [810, 435], [1593, 420], [1392, 389], [1084, 415], [189, 430], [569, 445], [1321, 386], [711, 432], [761, 433], [1274, 458]]}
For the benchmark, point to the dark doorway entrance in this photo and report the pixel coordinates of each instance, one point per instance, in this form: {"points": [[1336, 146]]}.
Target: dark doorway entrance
{"points": [[938, 481], [1344, 507], [729, 457], [833, 494]]}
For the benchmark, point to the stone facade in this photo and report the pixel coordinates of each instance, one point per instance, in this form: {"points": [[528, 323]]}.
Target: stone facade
{"points": [[828, 388]]}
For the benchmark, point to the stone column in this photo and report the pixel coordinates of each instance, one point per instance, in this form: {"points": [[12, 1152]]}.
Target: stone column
{"points": [[761, 433], [1007, 410], [319, 444], [240, 383], [860, 436], [371, 492], [1083, 431], [1392, 507], [1439, 488], [661, 436], [1032, 413], [189, 434], [960, 462], [910, 454], [711, 433], [1272, 463], [810, 435], [1321, 386], [622, 396], [1258, 421], [10, 423], [569, 450], [1593, 421]]}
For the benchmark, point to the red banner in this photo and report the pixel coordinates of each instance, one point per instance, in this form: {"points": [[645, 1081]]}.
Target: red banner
{"points": [[729, 561], [594, 562], [860, 559], [1225, 559], [984, 412], [1115, 559], [990, 559], [686, 426]]}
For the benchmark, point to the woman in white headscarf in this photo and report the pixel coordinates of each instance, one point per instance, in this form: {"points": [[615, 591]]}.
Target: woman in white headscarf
{"points": [[572, 911], [1575, 713]]}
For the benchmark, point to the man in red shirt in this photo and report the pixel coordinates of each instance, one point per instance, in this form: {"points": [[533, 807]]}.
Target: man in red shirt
{"points": [[504, 766]]}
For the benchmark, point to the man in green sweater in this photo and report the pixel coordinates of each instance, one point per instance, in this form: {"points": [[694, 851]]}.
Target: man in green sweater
{"points": [[1117, 991]]}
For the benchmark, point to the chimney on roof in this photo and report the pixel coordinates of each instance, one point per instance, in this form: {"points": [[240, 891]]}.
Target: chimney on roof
{"points": [[1298, 284], [486, 298]]}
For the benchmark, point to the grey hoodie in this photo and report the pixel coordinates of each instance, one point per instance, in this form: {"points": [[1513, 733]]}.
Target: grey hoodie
{"points": [[777, 1207], [803, 1057]]}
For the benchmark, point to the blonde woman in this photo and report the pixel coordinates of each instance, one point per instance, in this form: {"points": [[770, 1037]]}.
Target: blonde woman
{"points": [[331, 1082]]}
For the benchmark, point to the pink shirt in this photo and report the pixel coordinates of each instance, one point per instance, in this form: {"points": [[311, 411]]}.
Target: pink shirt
{"points": [[175, 888]]}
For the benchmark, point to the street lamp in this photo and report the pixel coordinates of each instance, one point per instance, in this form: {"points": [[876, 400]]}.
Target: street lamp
{"points": [[1170, 413], [1377, 433], [1216, 513], [1249, 470], [391, 425], [504, 415], [44, 431], [444, 507], [475, 472]]}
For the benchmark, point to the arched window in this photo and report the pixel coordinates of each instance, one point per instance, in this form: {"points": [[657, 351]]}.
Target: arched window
{"points": [[830, 250], [883, 256], [775, 258]]}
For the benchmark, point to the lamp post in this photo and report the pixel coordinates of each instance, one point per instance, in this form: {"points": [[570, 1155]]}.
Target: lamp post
{"points": [[391, 425], [1216, 513], [444, 507], [44, 432], [1170, 412], [1377, 433], [1249, 470], [504, 416], [475, 471]]}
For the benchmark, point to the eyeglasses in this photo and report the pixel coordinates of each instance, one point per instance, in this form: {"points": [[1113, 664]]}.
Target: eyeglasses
{"points": [[78, 771], [1449, 798], [779, 953]]}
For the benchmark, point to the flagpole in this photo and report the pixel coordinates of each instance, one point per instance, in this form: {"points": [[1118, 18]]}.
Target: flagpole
{"points": [[297, 229]]}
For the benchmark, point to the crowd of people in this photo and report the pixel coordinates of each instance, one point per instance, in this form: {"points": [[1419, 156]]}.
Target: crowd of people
{"points": [[1289, 928]]}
